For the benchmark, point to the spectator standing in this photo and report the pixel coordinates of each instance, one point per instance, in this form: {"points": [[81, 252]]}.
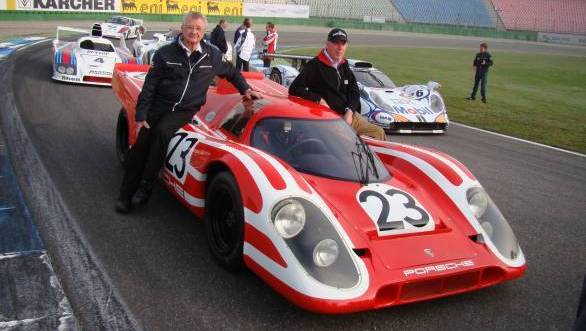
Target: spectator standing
{"points": [[328, 80], [244, 42], [482, 62], [218, 37], [270, 43]]}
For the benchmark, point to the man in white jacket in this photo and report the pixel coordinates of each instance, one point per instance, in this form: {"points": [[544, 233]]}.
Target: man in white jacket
{"points": [[244, 42]]}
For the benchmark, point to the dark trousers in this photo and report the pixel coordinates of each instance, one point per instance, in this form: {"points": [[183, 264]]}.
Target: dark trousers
{"points": [[241, 64], [147, 155], [480, 78]]}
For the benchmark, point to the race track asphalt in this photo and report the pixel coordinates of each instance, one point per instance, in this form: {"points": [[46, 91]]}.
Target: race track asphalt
{"points": [[158, 259]]}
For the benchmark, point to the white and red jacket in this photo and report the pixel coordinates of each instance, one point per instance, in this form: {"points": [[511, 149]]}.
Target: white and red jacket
{"points": [[270, 42]]}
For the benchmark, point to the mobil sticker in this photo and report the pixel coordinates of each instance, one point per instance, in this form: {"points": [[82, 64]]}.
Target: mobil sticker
{"points": [[406, 110]]}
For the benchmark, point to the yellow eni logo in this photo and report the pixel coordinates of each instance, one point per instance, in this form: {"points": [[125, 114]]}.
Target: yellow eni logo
{"points": [[223, 8]]}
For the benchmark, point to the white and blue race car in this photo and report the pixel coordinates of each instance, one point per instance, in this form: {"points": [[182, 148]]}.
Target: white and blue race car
{"points": [[89, 59], [417, 108]]}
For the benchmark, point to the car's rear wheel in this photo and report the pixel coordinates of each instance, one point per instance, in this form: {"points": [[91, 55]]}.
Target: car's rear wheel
{"points": [[276, 76], [224, 221], [122, 145]]}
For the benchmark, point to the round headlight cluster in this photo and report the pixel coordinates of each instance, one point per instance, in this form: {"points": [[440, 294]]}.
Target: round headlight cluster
{"points": [[289, 218], [325, 253], [70, 70], [61, 69], [477, 201]]}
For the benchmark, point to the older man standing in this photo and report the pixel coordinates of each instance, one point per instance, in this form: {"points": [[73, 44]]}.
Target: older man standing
{"points": [[327, 79], [174, 90]]}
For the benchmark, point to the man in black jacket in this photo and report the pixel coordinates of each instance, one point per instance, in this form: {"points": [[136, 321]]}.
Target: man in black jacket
{"points": [[174, 90], [482, 61], [328, 80], [218, 37]]}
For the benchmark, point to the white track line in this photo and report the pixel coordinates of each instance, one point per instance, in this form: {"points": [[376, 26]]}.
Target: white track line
{"points": [[518, 139]]}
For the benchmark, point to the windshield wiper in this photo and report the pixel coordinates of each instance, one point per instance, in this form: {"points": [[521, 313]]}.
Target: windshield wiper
{"points": [[364, 152]]}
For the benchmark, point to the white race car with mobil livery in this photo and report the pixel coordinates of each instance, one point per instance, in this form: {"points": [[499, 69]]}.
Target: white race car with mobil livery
{"points": [[121, 26], [405, 109], [89, 59]]}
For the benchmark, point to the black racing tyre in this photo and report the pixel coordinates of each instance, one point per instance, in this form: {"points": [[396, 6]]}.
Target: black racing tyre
{"points": [[224, 221], [276, 76], [122, 145]]}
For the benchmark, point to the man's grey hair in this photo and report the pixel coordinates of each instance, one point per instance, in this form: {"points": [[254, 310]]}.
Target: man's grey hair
{"points": [[194, 16]]}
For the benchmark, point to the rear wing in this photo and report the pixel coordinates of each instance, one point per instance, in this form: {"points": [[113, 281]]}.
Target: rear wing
{"points": [[297, 61], [64, 28]]}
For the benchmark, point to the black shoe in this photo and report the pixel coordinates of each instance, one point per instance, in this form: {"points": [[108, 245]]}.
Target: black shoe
{"points": [[123, 206], [143, 193], [470, 98], [483, 100]]}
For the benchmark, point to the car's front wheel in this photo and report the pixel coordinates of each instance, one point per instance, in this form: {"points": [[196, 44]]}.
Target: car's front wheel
{"points": [[122, 145], [224, 221]]}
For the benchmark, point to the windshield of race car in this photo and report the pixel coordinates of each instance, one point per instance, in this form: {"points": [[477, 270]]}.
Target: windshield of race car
{"points": [[117, 20], [327, 148], [373, 78]]}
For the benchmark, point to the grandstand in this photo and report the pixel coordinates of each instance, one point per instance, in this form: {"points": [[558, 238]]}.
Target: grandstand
{"points": [[561, 16], [451, 12]]}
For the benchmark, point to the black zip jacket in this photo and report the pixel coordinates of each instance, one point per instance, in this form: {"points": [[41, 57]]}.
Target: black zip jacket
{"points": [[218, 39], [176, 83], [482, 61], [319, 79]]}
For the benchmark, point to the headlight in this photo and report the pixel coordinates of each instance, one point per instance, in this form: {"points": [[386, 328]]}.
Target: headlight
{"points": [[289, 218], [70, 70], [325, 253], [436, 103], [493, 222], [61, 69], [315, 243], [477, 201]]}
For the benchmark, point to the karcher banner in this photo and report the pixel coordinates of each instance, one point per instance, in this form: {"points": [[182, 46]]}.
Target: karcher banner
{"points": [[221, 8], [62, 5]]}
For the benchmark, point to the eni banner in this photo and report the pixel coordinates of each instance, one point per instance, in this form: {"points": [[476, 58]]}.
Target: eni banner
{"points": [[220, 8]]}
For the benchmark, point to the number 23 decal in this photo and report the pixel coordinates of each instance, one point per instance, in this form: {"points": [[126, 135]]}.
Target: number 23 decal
{"points": [[394, 211]]}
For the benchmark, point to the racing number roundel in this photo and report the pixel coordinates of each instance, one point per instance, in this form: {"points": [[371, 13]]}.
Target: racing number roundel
{"points": [[179, 154], [393, 211]]}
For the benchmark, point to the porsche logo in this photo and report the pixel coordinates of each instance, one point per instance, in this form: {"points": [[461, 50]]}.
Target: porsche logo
{"points": [[429, 252]]}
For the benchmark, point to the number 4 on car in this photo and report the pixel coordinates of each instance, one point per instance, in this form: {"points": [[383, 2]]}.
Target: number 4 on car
{"points": [[334, 222]]}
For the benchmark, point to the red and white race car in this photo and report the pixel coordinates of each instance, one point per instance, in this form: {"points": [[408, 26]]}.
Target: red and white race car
{"points": [[332, 221]]}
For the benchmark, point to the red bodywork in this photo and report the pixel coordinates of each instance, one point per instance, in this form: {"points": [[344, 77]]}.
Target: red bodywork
{"points": [[387, 259]]}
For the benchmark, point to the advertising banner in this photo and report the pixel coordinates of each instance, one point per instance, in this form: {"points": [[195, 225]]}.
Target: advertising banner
{"points": [[220, 8], [2, 4], [62, 5], [558, 38], [275, 10]]}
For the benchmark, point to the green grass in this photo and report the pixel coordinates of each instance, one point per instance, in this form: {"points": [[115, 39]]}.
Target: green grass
{"points": [[532, 96]]}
